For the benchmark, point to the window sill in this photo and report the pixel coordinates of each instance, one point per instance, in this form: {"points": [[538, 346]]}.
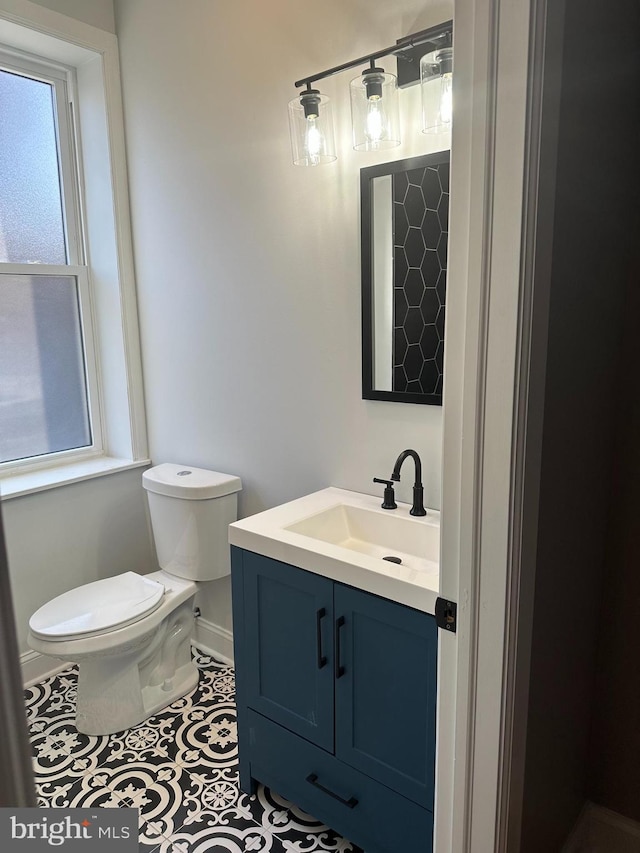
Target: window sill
{"points": [[17, 485]]}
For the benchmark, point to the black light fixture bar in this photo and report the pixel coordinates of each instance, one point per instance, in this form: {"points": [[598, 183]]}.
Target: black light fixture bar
{"points": [[404, 49]]}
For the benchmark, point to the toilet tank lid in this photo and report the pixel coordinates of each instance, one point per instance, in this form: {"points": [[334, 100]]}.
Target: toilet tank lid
{"points": [[187, 482]]}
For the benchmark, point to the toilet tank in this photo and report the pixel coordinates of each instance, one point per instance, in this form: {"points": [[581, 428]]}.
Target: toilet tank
{"points": [[191, 509]]}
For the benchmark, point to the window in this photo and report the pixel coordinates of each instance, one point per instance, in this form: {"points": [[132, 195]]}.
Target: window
{"points": [[49, 406], [68, 312]]}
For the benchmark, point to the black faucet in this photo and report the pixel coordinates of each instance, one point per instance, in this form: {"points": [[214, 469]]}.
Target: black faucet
{"points": [[418, 505]]}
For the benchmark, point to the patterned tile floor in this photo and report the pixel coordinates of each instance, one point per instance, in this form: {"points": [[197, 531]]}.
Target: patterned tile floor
{"points": [[179, 768]]}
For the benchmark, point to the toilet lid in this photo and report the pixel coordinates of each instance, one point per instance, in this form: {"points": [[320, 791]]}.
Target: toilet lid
{"points": [[99, 606]]}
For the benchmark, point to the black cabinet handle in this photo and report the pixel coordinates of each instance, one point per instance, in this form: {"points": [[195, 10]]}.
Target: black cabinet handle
{"points": [[319, 617], [339, 669], [351, 803]]}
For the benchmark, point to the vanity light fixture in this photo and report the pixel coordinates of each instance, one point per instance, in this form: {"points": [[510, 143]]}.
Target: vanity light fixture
{"points": [[425, 57], [311, 128]]}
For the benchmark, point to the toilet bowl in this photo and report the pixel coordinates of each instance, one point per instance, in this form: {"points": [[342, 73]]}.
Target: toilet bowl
{"points": [[131, 634]]}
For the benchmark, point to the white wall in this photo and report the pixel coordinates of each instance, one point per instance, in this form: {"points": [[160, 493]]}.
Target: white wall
{"points": [[247, 267], [98, 13], [75, 534]]}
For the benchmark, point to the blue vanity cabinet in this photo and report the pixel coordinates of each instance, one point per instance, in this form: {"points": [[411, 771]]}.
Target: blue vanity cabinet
{"points": [[288, 619], [336, 705], [385, 692]]}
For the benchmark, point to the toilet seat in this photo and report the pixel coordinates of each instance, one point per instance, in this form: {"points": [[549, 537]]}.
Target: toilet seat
{"points": [[97, 607]]}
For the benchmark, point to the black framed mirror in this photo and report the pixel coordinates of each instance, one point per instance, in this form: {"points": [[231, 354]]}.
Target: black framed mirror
{"points": [[404, 209]]}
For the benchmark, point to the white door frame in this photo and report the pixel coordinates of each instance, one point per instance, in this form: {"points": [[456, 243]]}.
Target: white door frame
{"points": [[491, 435]]}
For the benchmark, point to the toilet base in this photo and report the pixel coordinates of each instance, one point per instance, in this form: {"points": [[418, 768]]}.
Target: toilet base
{"points": [[123, 705]]}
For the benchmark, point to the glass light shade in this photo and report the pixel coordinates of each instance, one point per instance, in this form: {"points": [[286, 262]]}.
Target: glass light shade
{"points": [[436, 82], [375, 117], [311, 129]]}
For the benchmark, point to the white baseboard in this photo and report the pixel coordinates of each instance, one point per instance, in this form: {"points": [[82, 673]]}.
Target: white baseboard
{"points": [[36, 667], [601, 830], [214, 640]]}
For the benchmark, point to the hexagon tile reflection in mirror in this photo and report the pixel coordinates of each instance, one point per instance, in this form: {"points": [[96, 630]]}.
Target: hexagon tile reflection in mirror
{"points": [[420, 229]]}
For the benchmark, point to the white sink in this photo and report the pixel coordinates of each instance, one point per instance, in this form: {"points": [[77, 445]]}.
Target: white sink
{"points": [[378, 533], [346, 536]]}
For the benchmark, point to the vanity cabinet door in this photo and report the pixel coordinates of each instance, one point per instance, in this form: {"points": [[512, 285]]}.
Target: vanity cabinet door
{"points": [[386, 692], [288, 623]]}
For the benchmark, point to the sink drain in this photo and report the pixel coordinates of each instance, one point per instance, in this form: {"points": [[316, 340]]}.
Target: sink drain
{"points": [[392, 559]]}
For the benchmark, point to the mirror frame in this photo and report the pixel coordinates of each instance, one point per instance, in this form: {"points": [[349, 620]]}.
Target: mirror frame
{"points": [[367, 174]]}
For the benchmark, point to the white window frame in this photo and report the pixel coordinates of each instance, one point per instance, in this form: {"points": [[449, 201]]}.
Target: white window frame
{"points": [[88, 58], [62, 81]]}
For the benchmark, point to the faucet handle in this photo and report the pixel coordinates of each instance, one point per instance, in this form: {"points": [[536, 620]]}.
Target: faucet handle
{"points": [[389, 501]]}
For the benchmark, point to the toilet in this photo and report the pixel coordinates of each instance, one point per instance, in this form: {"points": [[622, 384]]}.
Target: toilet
{"points": [[131, 634]]}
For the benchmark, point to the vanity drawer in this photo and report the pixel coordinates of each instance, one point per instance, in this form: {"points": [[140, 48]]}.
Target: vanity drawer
{"points": [[357, 807]]}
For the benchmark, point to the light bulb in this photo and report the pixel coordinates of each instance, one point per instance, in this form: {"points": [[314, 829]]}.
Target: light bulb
{"points": [[313, 140], [374, 129], [446, 98]]}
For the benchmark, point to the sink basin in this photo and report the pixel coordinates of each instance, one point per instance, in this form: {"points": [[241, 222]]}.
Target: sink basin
{"points": [[346, 536], [402, 540]]}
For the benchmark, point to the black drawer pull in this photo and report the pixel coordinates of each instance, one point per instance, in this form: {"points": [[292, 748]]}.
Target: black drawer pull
{"points": [[322, 661], [339, 669], [351, 803]]}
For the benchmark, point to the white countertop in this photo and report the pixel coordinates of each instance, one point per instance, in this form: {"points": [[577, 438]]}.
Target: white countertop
{"points": [[266, 533]]}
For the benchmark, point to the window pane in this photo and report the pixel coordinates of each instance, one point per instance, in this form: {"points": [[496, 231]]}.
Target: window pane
{"points": [[31, 224], [43, 396]]}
